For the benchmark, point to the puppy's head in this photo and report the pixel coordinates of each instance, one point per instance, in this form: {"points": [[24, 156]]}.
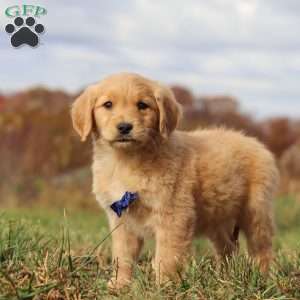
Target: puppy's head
{"points": [[126, 110]]}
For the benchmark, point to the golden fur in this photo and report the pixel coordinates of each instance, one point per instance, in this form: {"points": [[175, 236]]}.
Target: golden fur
{"points": [[204, 182]]}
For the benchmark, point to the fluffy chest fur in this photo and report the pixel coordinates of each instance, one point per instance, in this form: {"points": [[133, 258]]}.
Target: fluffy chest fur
{"points": [[113, 176]]}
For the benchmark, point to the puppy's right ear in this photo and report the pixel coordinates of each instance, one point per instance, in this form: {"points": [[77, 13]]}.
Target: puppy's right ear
{"points": [[81, 112]]}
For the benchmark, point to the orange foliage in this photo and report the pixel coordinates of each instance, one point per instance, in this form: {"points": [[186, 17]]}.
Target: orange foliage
{"points": [[37, 137], [2, 102], [280, 134], [183, 96], [38, 141]]}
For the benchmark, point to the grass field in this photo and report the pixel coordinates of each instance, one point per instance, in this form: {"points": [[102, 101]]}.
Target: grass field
{"points": [[48, 254]]}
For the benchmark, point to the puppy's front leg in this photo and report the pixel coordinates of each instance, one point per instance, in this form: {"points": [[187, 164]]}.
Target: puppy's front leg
{"points": [[126, 247], [173, 241]]}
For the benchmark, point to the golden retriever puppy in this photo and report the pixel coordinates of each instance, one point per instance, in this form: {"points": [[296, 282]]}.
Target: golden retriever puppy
{"points": [[207, 182]]}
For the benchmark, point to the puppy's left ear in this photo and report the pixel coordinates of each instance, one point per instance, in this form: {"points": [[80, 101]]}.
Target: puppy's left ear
{"points": [[81, 112], [169, 110]]}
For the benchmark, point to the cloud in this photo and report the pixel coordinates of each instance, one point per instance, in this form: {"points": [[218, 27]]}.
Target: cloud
{"points": [[246, 48]]}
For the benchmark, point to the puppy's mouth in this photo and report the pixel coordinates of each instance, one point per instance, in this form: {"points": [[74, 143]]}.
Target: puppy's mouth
{"points": [[124, 140]]}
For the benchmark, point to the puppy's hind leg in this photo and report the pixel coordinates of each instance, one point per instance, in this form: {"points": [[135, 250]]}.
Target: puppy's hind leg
{"points": [[258, 225]]}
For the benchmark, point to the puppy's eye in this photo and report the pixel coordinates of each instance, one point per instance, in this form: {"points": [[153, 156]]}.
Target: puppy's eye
{"points": [[142, 105], [107, 104]]}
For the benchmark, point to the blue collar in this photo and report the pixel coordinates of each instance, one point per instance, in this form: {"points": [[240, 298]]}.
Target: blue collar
{"points": [[122, 204]]}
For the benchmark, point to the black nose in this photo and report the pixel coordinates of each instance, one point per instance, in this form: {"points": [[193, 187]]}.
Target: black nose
{"points": [[124, 128]]}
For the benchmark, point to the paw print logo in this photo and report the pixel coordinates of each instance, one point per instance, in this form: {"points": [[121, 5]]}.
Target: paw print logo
{"points": [[24, 34]]}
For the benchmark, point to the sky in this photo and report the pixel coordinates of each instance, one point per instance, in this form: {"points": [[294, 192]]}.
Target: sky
{"points": [[246, 48]]}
